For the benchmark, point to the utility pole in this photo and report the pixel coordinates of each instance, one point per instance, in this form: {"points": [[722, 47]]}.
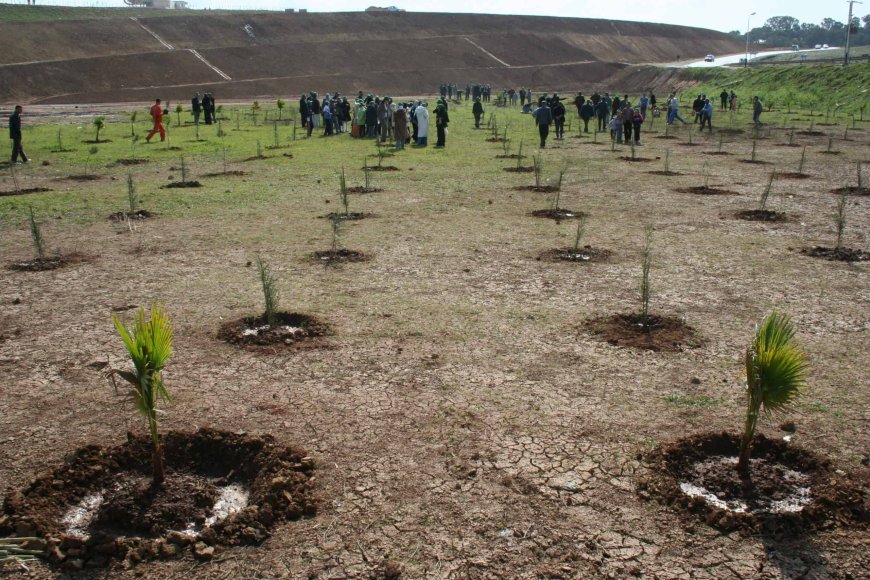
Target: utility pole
{"points": [[849, 32], [746, 60]]}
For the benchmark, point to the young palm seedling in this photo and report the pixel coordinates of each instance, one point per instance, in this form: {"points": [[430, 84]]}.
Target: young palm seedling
{"points": [[841, 220], [645, 287], [133, 123], [776, 370], [538, 164], [754, 156], [343, 194], [259, 150], [179, 108], [132, 198], [270, 292], [765, 194], [280, 104], [99, 123], [36, 237], [255, 109], [92, 150], [803, 160], [150, 346], [578, 235]]}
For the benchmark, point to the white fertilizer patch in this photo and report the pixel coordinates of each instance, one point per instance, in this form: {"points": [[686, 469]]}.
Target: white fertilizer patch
{"points": [[80, 516]]}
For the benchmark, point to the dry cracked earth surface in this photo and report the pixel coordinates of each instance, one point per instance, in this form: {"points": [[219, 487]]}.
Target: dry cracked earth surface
{"points": [[463, 422]]}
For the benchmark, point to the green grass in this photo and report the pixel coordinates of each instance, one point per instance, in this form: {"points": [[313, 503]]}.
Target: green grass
{"points": [[805, 86]]}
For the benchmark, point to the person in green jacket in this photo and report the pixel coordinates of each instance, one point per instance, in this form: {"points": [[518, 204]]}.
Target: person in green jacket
{"points": [[477, 111]]}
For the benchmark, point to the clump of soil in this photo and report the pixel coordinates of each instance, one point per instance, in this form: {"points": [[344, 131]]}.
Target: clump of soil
{"points": [[50, 263], [663, 172], [350, 216], [257, 158], [83, 177], [131, 161], [705, 190], [138, 215], [290, 329], [288, 155], [528, 169], [837, 254], [382, 168], [96, 141], [339, 256], [538, 188], [755, 161], [584, 254], [25, 191], [511, 156], [809, 133], [666, 136], [495, 140], [789, 488], [362, 189], [831, 152], [716, 153], [100, 505], [851, 190], [761, 215], [660, 333], [729, 131], [636, 159], [232, 173], [181, 185], [559, 214], [793, 175]]}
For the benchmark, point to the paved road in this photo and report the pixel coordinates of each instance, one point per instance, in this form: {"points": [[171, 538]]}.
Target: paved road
{"points": [[735, 58]]}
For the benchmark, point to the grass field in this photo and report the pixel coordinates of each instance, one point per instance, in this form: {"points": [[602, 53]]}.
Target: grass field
{"points": [[463, 419]]}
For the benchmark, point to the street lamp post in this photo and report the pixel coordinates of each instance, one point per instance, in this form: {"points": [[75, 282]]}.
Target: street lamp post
{"points": [[849, 32], [746, 60]]}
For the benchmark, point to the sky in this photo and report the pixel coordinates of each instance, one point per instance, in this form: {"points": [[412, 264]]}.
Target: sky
{"points": [[723, 15]]}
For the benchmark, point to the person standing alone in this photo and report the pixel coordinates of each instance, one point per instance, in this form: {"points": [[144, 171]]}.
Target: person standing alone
{"points": [[543, 117], [15, 135], [157, 117]]}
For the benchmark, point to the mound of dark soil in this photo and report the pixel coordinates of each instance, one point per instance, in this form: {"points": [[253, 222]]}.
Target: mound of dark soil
{"points": [[340, 256], [495, 140], [511, 156], [519, 169], [837, 254], [788, 145], [716, 153], [793, 175], [537, 188], [789, 488], [687, 144], [809, 133], [705, 190], [728, 131], [362, 189], [181, 185], [96, 141], [832, 152], [382, 168], [287, 155], [291, 329], [83, 177], [138, 215], [666, 136], [100, 505], [232, 173], [257, 158], [761, 215], [852, 190], [584, 254], [131, 161], [663, 172], [661, 333], [350, 216], [52, 263], [558, 214], [636, 159], [755, 162], [25, 191]]}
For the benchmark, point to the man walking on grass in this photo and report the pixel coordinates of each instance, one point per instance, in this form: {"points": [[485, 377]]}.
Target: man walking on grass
{"points": [[15, 135], [157, 117], [543, 117]]}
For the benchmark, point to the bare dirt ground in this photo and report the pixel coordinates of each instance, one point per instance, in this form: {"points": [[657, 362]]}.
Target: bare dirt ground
{"points": [[463, 422]]}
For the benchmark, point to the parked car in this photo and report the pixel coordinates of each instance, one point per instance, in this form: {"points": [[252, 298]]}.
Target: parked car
{"points": [[818, 46], [825, 46], [795, 47], [709, 58]]}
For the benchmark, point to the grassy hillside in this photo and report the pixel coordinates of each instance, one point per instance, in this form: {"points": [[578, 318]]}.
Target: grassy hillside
{"points": [[805, 86]]}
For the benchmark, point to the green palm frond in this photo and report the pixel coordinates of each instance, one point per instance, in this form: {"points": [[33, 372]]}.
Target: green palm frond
{"points": [[776, 365]]}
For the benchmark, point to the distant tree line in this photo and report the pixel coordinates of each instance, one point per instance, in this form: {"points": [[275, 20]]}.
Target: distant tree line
{"points": [[787, 30]]}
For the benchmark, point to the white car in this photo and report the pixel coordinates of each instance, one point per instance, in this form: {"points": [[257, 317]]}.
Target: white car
{"points": [[825, 46], [818, 47], [709, 58]]}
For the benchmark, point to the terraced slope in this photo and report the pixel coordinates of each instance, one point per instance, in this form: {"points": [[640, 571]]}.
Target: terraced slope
{"points": [[245, 55]]}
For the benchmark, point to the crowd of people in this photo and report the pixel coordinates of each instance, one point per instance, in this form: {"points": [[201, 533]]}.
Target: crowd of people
{"points": [[403, 122]]}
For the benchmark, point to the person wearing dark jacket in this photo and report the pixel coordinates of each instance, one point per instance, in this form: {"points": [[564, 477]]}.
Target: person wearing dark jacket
{"points": [[196, 108], [477, 111], [579, 100], [587, 111], [441, 121], [559, 113], [303, 110], [723, 98], [15, 135], [543, 117], [206, 108]]}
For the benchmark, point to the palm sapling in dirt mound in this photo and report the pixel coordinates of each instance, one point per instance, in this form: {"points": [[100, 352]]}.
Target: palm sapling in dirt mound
{"points": [[99, 123], [839, 252], [150, 346], [762, 213], [776, 370]]}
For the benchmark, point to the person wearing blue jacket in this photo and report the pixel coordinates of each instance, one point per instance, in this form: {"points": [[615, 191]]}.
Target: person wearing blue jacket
{"points": [[707, 115], [587, 111], [543, 117]]}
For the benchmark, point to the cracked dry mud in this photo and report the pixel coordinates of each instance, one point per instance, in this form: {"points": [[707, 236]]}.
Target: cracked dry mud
{"points": [[461, 425]]}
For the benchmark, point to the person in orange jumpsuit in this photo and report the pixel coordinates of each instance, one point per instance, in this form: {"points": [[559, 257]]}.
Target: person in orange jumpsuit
{"points": [[157, 116]]}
